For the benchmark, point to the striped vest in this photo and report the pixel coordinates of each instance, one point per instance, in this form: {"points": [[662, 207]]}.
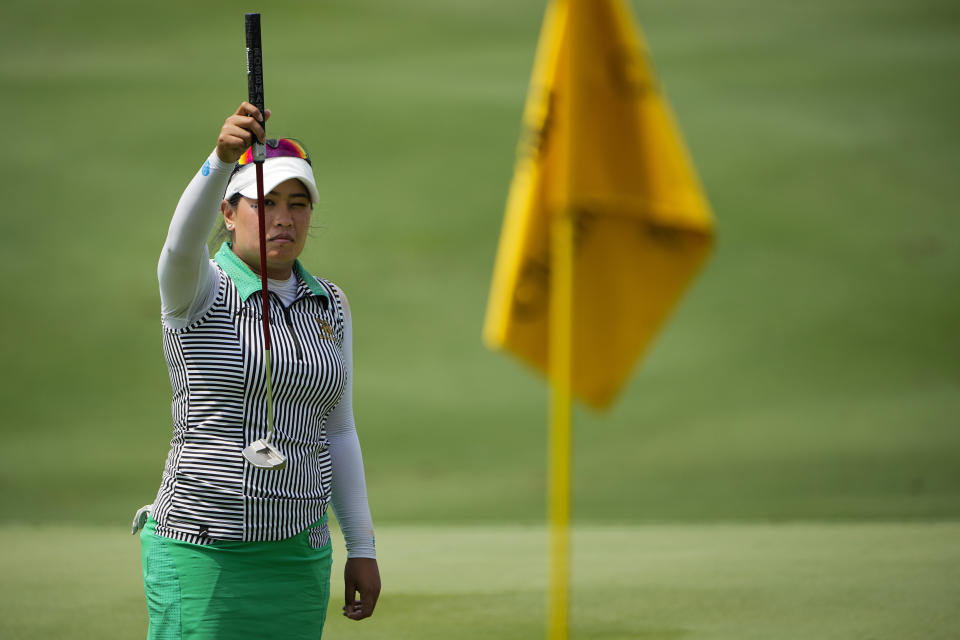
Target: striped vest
{"points": [[209, 492]]}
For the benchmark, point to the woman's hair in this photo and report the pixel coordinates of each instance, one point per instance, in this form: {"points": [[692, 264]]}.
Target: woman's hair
{"points": [[220, 234]]}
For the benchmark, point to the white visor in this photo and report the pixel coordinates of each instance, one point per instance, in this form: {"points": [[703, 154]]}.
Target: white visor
{"points": [[275, 171]]}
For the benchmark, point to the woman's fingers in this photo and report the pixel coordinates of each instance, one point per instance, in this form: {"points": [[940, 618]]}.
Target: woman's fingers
{"points": [[361, 576], [239, 131]]}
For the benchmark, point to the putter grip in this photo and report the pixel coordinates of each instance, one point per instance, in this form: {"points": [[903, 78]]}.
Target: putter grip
{"points": [[255, 74]]}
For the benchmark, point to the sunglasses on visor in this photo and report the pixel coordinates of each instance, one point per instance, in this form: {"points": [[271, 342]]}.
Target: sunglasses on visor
{"points": [[278, 148]]}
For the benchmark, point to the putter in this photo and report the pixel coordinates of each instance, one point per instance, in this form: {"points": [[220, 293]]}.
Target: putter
{"points": [[261, 454]]}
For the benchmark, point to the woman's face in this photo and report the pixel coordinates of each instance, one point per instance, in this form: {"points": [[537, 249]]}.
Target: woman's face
{"points": [[287, 216]]}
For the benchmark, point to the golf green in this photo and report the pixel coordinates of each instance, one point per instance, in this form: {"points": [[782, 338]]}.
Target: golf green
{"points": [[810, 375], [725, 581]]}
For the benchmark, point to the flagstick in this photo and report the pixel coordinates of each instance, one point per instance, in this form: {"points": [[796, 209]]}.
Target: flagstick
{"points": [[560, 362]]}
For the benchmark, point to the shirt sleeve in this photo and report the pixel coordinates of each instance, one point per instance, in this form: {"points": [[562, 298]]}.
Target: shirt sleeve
{"points": [[349, 483], [188, 280]]}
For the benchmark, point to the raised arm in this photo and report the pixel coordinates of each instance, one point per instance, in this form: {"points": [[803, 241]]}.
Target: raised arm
{"points": [[187, 279]]}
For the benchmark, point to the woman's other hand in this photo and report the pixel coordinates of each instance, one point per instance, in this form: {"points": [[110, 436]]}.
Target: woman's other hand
{"points": [[361, 576]]}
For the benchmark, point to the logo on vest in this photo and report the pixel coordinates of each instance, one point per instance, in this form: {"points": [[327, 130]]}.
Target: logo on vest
{"points": [[326, 331]]}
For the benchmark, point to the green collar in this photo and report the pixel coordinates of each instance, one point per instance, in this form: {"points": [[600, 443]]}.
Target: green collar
{"points": [[248, 283]]}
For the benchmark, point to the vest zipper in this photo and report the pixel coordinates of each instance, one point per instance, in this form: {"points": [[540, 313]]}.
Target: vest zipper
{"points": [[293, 333]]}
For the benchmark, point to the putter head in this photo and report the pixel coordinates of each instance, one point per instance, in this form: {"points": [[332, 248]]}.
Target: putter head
{"points": [[264, 455]]}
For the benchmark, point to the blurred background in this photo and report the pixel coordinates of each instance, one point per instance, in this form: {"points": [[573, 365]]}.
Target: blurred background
{"points": [[811, 373]]}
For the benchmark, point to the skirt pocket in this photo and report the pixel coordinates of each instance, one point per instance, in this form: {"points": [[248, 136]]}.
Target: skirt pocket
{"points": [[319, 534]]}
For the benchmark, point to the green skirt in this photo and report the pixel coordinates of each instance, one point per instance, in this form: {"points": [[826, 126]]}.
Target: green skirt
{"points": [[235, 590]]}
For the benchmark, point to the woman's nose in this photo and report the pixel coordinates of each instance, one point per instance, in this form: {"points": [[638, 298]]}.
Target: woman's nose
{"points": [[282, 216]]}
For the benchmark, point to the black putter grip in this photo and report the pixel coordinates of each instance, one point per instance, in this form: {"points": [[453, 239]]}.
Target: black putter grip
{"points": [[254, 61], [255, 71]]}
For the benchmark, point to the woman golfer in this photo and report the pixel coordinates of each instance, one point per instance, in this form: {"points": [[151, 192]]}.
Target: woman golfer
{"points": [[230, 549]]}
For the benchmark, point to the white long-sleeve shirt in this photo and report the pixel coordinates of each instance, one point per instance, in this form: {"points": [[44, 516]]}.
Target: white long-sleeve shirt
{"points": [[189, 286]]}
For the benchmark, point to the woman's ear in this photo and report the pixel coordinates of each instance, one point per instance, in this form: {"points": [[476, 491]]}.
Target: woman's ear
{"points": [[229, 215]]}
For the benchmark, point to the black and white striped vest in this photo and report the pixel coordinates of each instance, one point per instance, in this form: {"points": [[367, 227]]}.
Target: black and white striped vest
{"points": [[209, 492]]}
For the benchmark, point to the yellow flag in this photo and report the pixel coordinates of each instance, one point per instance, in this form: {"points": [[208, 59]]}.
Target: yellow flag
{"points": [[601, 146]]}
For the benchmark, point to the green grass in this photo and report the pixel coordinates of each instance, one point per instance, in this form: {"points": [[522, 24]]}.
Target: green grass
{"points": [[665, 582], [812, 373]]}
